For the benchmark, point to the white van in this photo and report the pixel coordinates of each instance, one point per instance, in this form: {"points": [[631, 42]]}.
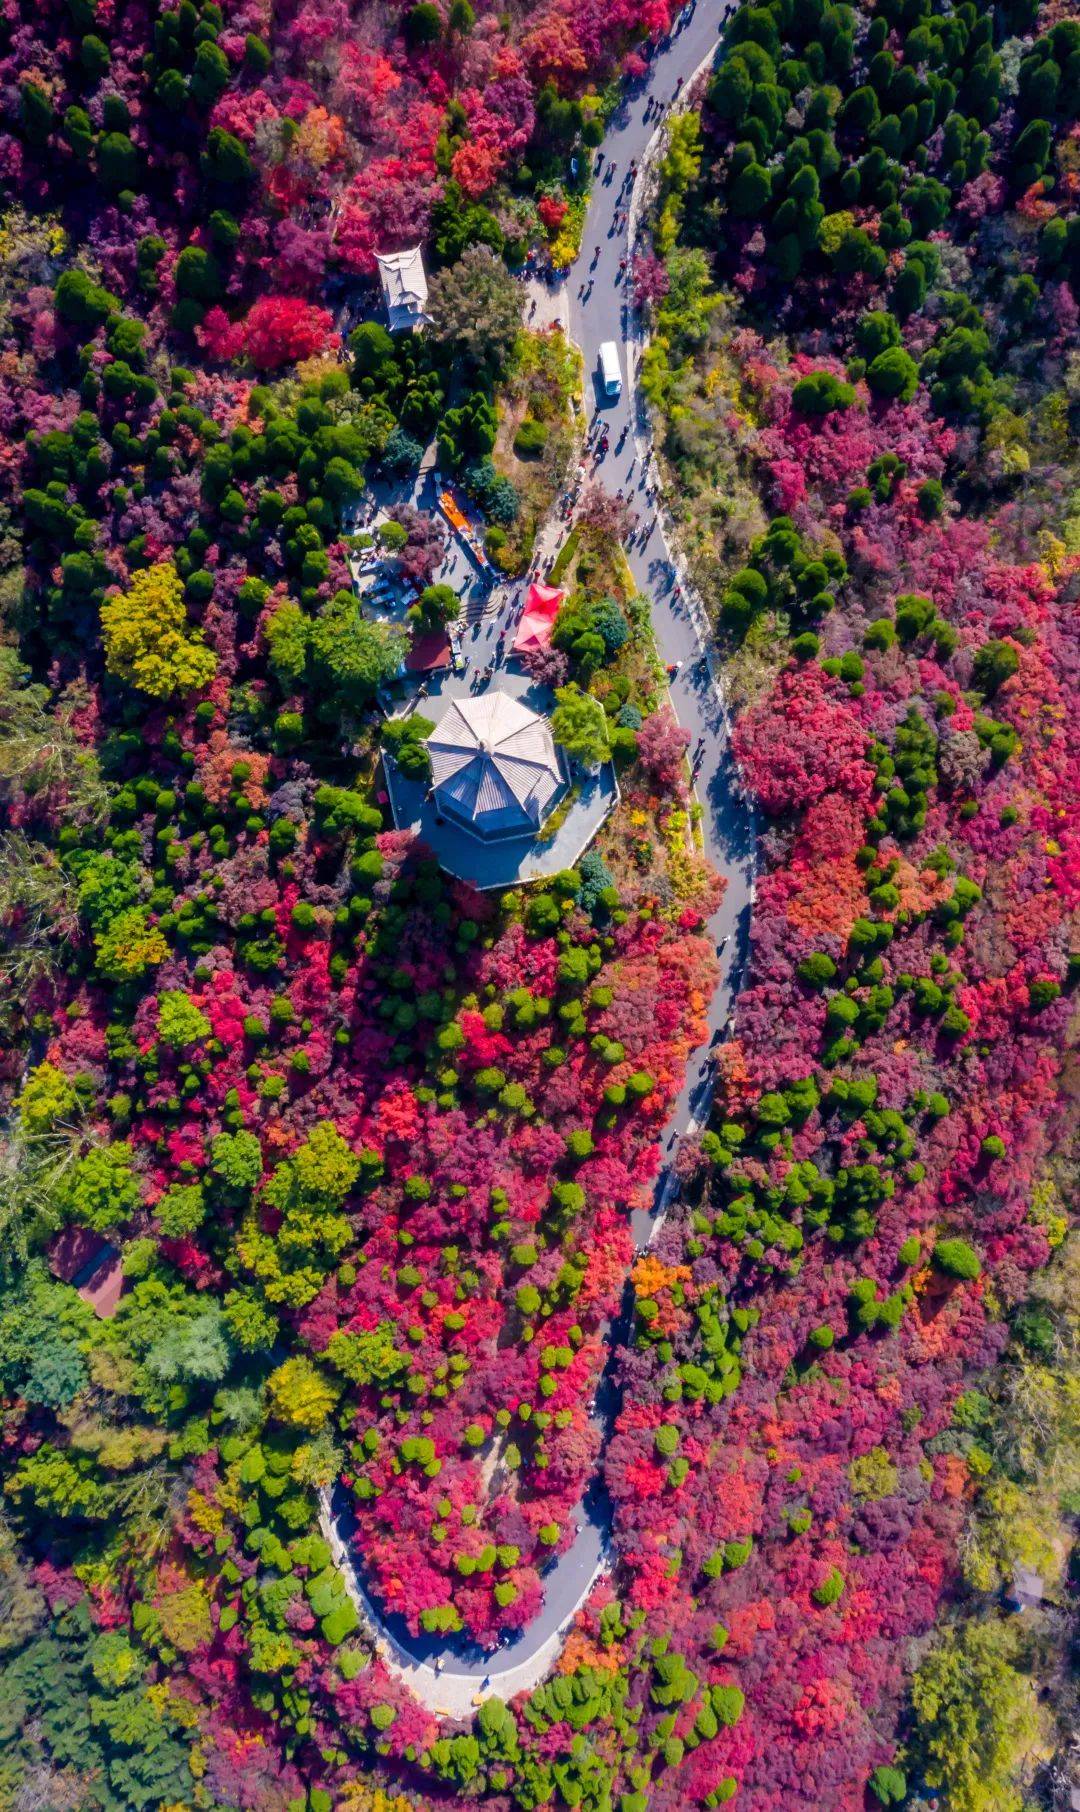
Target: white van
{"points": [[610, 375]]}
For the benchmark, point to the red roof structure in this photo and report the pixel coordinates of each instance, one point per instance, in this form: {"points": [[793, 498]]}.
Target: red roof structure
{"points": [[429, 653], [83, 1258], [75, 1251], [104, 1290], [538, 618]]}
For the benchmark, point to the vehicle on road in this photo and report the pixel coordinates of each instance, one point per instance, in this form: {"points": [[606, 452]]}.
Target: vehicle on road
{"points": [[610, 373]]}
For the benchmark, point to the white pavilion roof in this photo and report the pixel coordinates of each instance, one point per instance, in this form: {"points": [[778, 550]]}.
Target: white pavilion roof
{"points": [[494, 765], [404, 286]]}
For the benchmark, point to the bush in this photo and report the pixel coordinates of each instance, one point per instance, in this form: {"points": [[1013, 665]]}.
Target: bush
{"points": [[821, 393], [880, 634], [889, 1786], [1042, 994], [401, 453], [117, 161], [818, 969], [830, 1589], [530, 439], [198, 275], [750, 192], [994, 663], [340, 1623], [931, 499], [727, 1703], [894, 374], [877, 332], [423, 25], [81, 303], [956, 1258]]}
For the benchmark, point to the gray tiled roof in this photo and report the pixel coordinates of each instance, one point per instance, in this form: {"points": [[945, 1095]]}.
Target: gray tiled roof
{"points": [[494, 764], [403, 280]]}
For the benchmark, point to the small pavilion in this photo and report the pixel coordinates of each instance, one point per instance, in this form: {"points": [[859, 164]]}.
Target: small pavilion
{"points": [[498, 808], [404, 288], [495, 768]]}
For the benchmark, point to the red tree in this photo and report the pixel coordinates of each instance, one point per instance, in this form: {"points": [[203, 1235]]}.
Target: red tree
{"points": [[662, 746], [281, 329]]}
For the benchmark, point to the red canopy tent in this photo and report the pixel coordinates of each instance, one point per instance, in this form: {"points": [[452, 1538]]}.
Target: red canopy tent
{"points": [[537, 618]]}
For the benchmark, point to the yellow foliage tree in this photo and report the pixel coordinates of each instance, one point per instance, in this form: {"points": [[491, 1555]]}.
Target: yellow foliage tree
{"points": [[978, 1719], [129, 946], [360, 1796], [185, 1618], [47, 1097], [148, 641], [301, 1395], [680, 168]]}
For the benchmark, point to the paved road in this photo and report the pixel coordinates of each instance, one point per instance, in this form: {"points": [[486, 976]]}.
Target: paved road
{"points": [[606, 313], [462, 1677]]}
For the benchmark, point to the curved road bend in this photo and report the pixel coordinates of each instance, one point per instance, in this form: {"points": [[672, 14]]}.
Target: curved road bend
{"points": [[449, 1677]]}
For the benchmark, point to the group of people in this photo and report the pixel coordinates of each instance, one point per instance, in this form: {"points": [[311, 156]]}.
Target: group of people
{"points": [[608, 169], [598, 439]]}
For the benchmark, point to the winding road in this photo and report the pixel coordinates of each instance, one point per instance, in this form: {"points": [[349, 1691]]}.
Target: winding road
{"points": [[445, 1675]]}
